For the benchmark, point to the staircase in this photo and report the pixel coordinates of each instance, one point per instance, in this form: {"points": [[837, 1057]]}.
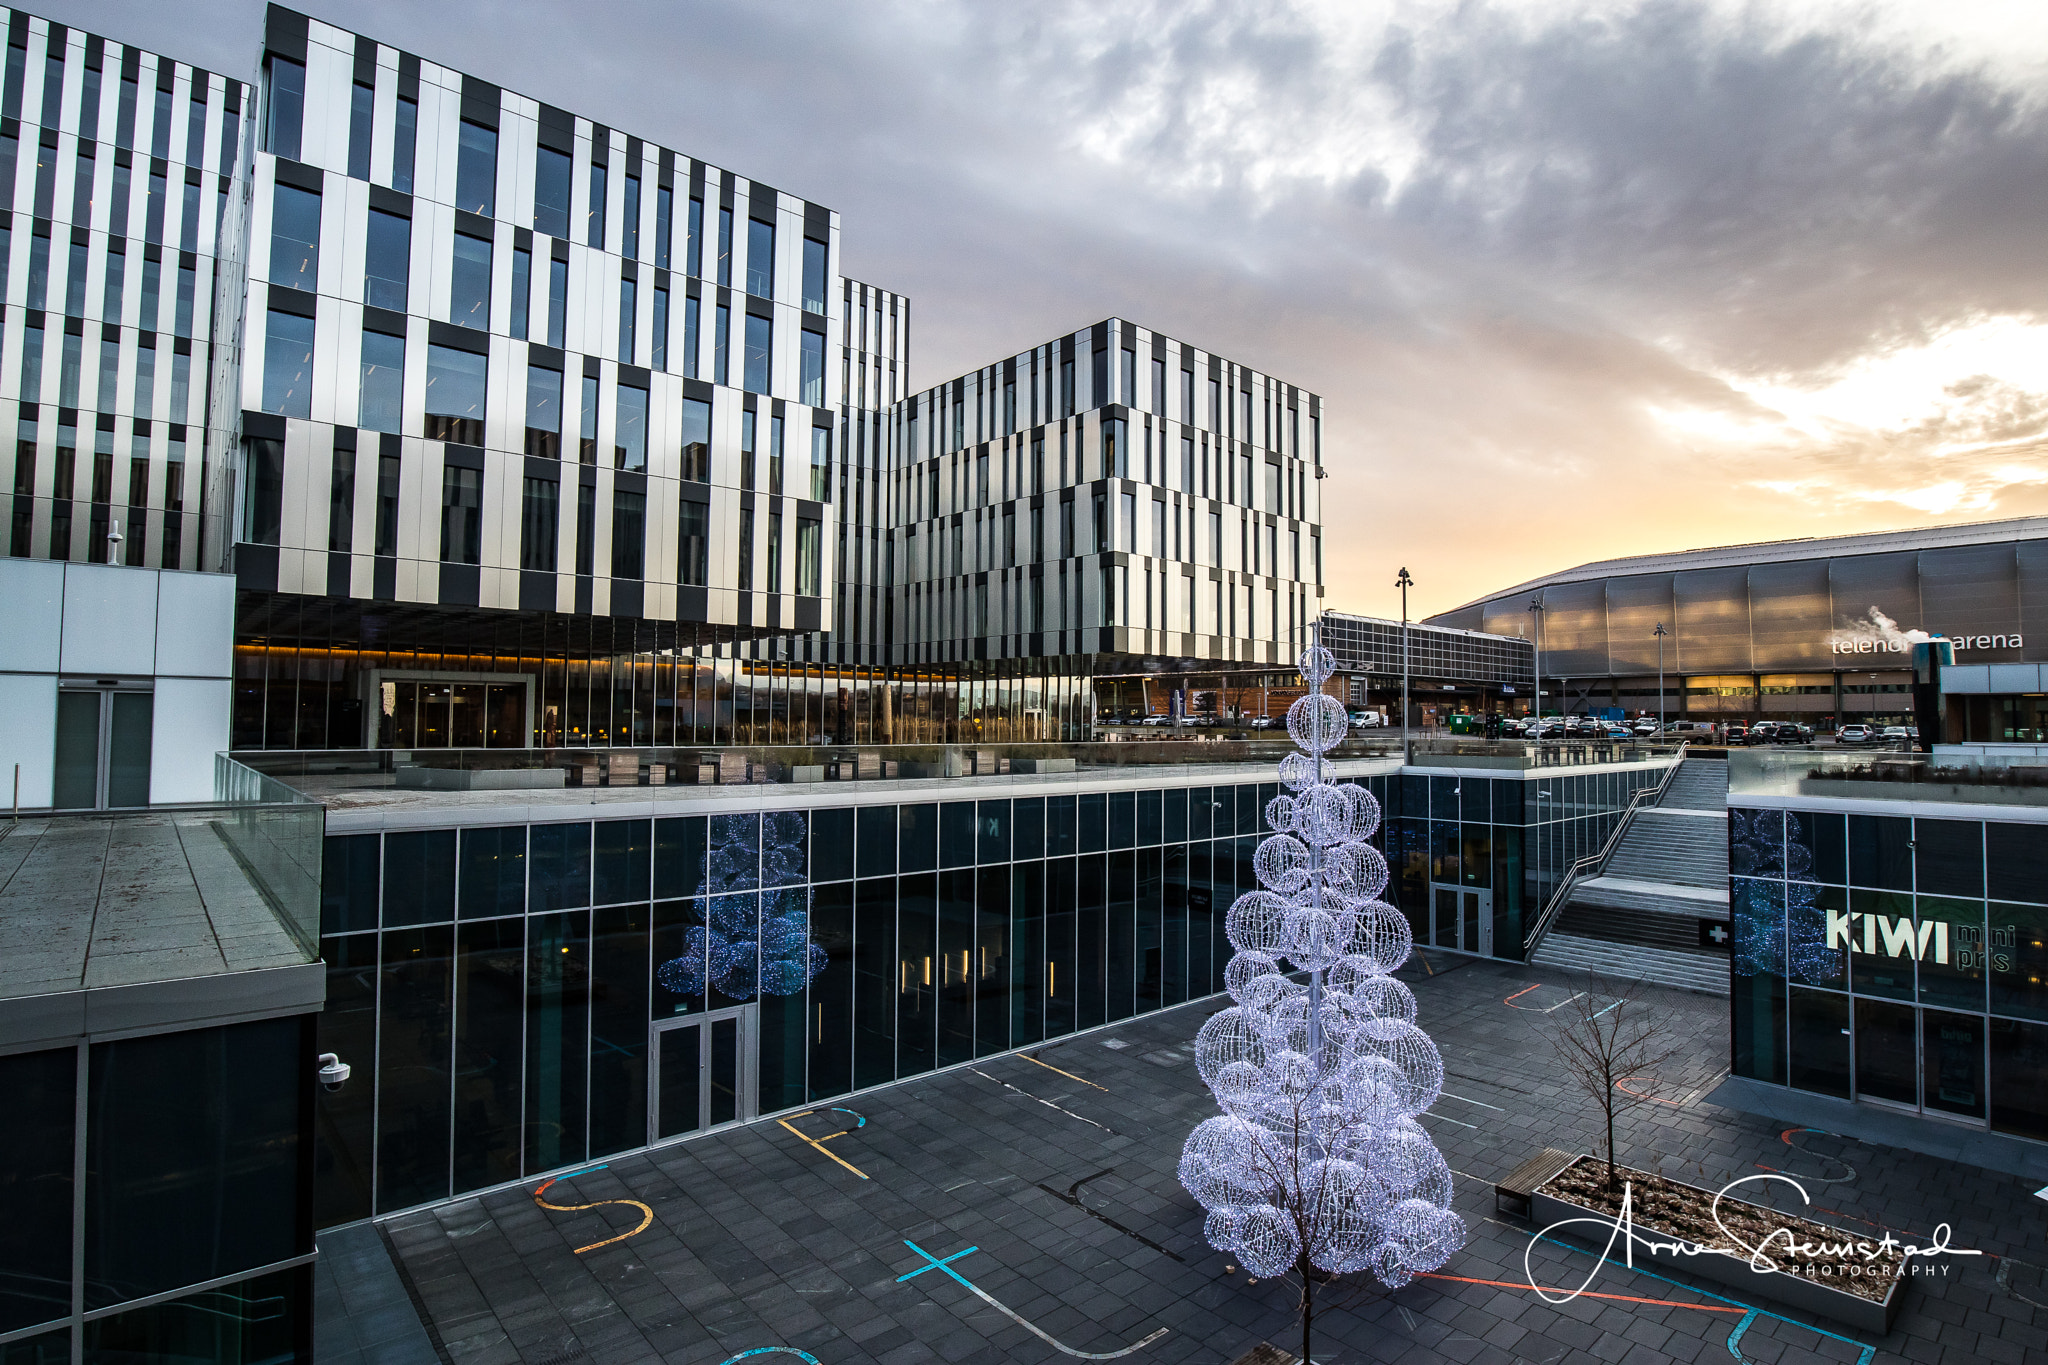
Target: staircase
{"points": [[1640, 918]]}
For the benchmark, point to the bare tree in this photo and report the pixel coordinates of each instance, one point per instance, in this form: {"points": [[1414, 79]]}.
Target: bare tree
{"points": [[1603, 1044]]}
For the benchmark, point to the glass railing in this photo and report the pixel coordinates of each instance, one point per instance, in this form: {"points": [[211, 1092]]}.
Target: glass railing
{"points": [[323, 772], [276, 834], [705, 765], [1878, 776]]}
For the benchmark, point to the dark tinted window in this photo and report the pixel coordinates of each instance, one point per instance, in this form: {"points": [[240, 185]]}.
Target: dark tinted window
{"points": [[956, 834], [832, 844], [192, 1156], [1880, 852], [992, 831], [678, 856], [918, 837], [493, 872], [348, 883], [419, 877], [622, 861], [561, 866], [2016, 858], [1028, 837], [476, 170], [877, 841], [35, 1180], [1094, 822], [1948, 857]]}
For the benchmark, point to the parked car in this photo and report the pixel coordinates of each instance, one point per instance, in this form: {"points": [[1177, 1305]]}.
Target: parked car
{"points": [[1763, 732], [1264, 723], [1855, 734], [1897, 734], [1645, 727], [1616, 730], [1736, 734]]}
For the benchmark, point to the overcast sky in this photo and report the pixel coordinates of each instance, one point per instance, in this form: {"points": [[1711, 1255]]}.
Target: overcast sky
{"points": [[1575, 279]]}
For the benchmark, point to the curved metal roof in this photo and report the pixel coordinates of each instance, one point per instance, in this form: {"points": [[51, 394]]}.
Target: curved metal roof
{"points": [[1780, 551]]}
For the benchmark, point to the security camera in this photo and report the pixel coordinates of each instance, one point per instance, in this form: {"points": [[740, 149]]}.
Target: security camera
{"points": [[333, 1071]]}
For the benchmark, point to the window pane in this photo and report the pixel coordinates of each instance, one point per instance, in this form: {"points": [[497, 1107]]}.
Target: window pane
{"points": [[754, 376], [295, 239], [193, 1154], [814, 275], [813, 377], [387, 261], [631, 449], [543, 412], [476, 170], [288, 365], [551, 192], [760, 258], [287, 94], [455, 386], [35, 1172], [383, 382], [696, 440], [629, 523], [469, 301]]}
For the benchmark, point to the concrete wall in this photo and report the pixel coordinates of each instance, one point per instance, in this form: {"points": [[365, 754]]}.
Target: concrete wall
{"points": [[95, 621]]}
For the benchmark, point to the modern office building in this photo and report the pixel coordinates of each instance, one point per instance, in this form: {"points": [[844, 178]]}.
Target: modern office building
{"points": [[1448, 669], [119, 262], [1816, 630]]}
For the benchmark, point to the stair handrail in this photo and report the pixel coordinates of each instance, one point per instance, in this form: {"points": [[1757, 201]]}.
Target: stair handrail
{"points": [[1590, 866]]}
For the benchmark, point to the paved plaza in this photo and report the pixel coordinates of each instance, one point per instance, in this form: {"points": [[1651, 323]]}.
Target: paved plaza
{"points": [[823, 1234]]}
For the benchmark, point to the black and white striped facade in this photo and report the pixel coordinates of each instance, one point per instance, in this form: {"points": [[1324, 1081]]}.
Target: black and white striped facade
{"points": [[117, 171], [1112, 492], [460, 384], [874, 376], [497, 356]]}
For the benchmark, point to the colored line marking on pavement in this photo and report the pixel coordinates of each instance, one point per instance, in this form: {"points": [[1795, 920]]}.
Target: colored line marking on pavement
{"points": [[936, 1263], [1620, 1085], [1522, 992], [819, 1143], [1047, 1103], [646, 1213], [1865, 1353], [770, 1350], [1073, 1196], [1068, 1074], [1510, 1001], [1481, 1103]]}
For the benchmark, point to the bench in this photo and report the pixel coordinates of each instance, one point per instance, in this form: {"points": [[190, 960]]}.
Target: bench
{"points": [[1511, 1193]]}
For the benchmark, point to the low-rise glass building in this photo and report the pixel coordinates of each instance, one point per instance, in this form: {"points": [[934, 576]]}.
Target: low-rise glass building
{"points": [[1891, 935]]}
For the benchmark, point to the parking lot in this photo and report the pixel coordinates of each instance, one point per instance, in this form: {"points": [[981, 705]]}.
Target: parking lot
{"points": [[1025, 1208]]}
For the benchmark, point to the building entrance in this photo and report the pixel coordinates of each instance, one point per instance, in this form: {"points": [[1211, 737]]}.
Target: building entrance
{"points": [[1461, 917], [703, 1072], [103, 744]]}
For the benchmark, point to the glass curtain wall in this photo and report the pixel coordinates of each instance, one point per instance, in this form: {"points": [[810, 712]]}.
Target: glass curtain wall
{"points": [[1895, 960]]}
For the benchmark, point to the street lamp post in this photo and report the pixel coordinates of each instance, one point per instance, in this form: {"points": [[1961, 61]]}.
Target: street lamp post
{"points": [[1660, 633], [1536, 703], [1404, 582]]}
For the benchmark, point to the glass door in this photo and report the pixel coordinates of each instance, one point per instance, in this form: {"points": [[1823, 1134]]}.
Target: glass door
{"points": [[103, 743], [1462, 918], [704, 1072]]}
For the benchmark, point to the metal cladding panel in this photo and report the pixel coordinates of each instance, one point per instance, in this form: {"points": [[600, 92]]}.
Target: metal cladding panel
{"points": [[1575, 629], [1713, 620], [1503, 616], [1871, 590], [1971, 591], [1790, 616], [1635, 607], [2032, 562]]}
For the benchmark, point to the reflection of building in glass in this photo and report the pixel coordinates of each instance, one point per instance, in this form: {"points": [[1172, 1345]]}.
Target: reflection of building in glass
{"points": [[1891, 946], [1814, 630]]}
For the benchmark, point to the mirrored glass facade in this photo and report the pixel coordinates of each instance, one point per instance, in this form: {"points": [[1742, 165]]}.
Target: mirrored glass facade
{"points": [[1896, 959]]}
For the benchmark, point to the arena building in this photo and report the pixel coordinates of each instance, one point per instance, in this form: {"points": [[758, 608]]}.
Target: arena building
{"points": [[1816, 630]]}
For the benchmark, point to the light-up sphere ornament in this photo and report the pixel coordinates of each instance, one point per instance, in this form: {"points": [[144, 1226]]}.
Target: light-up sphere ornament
{"points": [[1317, 1152]]}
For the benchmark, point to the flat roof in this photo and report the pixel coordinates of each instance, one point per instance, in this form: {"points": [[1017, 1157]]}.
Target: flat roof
{"points": [[89, 902], [1781, 551]]}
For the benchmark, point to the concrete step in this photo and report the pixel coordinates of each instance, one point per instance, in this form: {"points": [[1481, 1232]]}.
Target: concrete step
{"points": [[1643, 926], [1692, 902], [1633, 962]]}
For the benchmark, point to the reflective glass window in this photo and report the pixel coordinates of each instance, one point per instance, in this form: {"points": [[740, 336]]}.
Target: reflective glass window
{"points": [[560, 862], [419, 877], [493, 872], [36, 1164]]}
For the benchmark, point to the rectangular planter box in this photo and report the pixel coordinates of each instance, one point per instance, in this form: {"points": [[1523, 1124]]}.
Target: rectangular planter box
{"points": [[1792, 1291]]}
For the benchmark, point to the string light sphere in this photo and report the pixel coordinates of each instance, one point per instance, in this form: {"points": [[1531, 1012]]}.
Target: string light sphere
{"points": [[1317, 1159]]}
